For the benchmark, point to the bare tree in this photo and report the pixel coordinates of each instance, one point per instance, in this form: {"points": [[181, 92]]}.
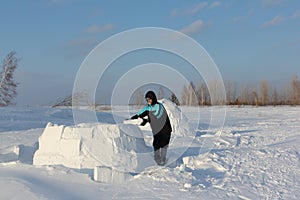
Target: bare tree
{"points": [[296, 90], [228, 92], [185, 96], [244, 95], [67, 101], [192, 95], [160, 93], [202, 94], [255, 98], [264, 92], [274, 97], [283, 97], [234, 92], [7, 84], [188, 95], [76, 99], [138, 97], [217, 92]]}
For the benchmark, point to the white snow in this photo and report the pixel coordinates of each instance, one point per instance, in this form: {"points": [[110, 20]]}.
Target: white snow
{"points": [[110, 149], [256, 156], [86, 146], [110, 175]]}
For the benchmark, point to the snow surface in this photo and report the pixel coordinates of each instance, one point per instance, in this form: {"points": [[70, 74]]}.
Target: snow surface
{"points": [[256, 156]]}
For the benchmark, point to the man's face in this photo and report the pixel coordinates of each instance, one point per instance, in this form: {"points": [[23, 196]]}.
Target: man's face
{"points": [[149, 101]]}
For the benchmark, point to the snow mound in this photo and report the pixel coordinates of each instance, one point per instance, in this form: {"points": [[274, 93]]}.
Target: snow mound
{"points": [[204, 163], [179, 122], [89, 145], [9, 154]]}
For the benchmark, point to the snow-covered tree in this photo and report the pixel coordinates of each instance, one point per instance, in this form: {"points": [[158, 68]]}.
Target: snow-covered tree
{"points": [[8, 86]]}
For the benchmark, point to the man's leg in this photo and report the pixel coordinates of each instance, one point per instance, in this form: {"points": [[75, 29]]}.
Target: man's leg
{"points": [[156, 147], [164, 143], [163, 157], [157, 156]]}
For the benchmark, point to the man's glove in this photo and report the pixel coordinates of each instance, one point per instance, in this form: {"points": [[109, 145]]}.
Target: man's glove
{"points": [[134, 117], [144, 122]]}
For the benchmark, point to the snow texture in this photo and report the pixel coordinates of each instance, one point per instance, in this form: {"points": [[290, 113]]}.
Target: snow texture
{"points": [[255, 156], [110, 175]]}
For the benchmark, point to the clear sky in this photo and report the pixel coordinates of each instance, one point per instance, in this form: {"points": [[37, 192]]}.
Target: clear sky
{"points": [[248, 40]]}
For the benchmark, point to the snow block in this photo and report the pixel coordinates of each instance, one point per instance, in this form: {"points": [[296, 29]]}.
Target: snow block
{"points": [[110, 175], [179, 121], [86, 146]]}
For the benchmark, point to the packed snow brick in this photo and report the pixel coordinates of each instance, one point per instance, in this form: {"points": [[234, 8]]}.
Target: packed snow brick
{"points": [[91, 145], [179, 122], [110, 175]]}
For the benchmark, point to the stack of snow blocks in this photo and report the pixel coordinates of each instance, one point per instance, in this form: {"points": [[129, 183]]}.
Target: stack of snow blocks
{"points": [[112, 151]]}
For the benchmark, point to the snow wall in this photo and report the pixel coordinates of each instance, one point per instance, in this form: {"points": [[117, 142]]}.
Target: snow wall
{"points": [[90, 145], [118, 146]]}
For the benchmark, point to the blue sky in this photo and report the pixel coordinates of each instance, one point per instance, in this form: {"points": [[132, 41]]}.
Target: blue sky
{"points": [[248, 40]]}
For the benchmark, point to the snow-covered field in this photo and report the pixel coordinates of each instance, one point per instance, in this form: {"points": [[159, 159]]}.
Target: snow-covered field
{"points": [[257, 156]]}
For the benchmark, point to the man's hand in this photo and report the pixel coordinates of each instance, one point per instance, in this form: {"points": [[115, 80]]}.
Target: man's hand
{"points": [[134, 117], [144, 122]]}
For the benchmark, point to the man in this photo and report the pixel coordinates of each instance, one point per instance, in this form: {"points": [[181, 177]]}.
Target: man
{"points": [[160, 124]]}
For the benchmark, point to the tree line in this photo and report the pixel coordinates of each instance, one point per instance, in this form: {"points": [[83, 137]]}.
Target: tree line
{"points": [[262, 94]]}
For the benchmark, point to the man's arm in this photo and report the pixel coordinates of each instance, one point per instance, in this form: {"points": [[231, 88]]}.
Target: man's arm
{"points": [[142, 113]]}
